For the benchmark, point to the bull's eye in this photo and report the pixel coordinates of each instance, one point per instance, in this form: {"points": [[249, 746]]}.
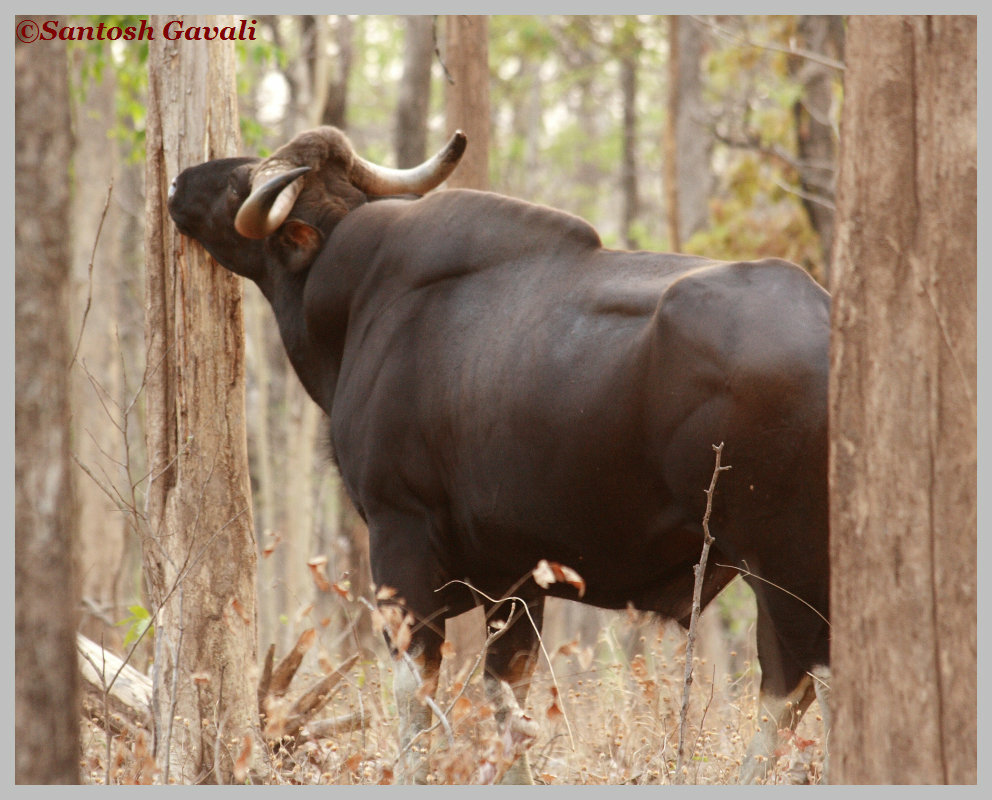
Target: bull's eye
{"points": [[234, 188], [172, 188]]}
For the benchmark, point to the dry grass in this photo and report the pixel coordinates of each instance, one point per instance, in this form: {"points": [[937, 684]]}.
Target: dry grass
{"points": [[615, 720]]}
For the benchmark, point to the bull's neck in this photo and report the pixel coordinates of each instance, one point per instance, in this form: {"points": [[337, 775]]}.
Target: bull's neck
{"points": [[314, 366]]}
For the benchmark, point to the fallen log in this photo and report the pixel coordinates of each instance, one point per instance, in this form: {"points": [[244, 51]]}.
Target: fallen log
{"points": [[114, 694]]}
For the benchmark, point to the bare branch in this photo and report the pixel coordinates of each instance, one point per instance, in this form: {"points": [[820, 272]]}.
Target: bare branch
{"points": [[89, 293], [747, 573], [819, 58], [697, 595]]}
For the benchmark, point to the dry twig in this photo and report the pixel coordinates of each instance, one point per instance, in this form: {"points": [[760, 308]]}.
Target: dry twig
{"points": [[697, 594]]}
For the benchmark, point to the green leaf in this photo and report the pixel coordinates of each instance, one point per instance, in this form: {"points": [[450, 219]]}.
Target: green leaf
{"points": [[138, 623]]}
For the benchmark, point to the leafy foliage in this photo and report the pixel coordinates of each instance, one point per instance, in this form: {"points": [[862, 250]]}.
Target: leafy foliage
{"points": [[138, 623]]}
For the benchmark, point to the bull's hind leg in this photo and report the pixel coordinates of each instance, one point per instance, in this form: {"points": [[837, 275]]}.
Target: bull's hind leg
{"points": [[510, 659], [775, 712], [793, 655]]}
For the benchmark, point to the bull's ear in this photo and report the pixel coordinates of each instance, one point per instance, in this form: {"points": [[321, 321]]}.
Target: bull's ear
{"points": [[298, 243]]}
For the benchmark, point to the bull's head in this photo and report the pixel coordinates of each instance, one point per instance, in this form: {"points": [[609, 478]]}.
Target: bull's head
{"points": [[248, 211]]}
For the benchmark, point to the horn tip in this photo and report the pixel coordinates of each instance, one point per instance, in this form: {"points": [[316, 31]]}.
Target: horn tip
{"points": [[458, 143]]}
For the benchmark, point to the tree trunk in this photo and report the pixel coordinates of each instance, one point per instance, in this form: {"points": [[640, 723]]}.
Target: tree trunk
{"points": [[269, 538], [628, 48], [101, 263], [693, 140], [467, 99], [200, 557], [300, 418], [46, 594], [315, 34], [415, 92], [815, 136], [336, 107], [903, 406], [670, 143]]}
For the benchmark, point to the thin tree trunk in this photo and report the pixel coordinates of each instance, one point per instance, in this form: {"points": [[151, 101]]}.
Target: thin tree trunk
{"points": [[815, 135], [672, 216], [99, 264], [336, 108], [693, 140], [268, 534], [300, 417], [467, 99], [316, 35], [903, 394], [410, 137], [629, 47], [200, 557], [46, 594]]}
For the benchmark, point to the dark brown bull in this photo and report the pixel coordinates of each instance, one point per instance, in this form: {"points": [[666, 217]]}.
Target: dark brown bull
{"points": [[502, 390]]}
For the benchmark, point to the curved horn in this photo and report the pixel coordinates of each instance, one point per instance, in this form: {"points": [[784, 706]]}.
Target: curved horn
{"points": [[375, 180], [268, 206]]}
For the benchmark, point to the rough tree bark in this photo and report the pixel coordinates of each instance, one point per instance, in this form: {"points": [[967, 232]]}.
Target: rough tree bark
{"points": [[46, 594], [467, 99], [200, 557], [903, 406]]}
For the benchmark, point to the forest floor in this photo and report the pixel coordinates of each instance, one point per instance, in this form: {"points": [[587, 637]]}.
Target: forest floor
{"points": [[603, 714]]}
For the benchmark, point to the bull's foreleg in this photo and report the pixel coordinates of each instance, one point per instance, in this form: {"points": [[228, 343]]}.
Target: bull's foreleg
{"points": [[415, 676], [510, 659]]}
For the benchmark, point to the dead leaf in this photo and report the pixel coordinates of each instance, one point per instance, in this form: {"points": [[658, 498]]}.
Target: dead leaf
{"points": [[147, 769], [353, 762], [461, 709], [403, 634], [554, 711], [270, 547], [378, 621], [548, 572], [326, 664], [447, 649], [318, 571], [303, 611], [240, 609], [568, 649], [243, 763]]}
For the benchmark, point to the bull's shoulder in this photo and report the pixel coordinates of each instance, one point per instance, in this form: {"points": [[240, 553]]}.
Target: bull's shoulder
{"points": [[458, 233], [511, 221], [485, 228]]}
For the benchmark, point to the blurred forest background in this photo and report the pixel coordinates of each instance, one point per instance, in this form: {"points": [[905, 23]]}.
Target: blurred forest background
{"points": [[710, 135]]}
